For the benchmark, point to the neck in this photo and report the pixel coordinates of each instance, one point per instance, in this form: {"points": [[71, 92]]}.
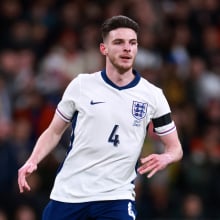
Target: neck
{"points": [[120, 78]]}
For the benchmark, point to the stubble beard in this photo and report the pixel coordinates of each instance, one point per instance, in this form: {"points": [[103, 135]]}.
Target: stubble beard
{"points": [[122, 68]]}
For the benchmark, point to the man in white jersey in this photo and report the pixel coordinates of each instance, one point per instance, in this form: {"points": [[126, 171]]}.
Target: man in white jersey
{"points": [[109, 111]]}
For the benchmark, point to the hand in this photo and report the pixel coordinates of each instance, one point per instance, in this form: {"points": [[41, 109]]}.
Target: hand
{"points": [[154, 163], [23, 173]]}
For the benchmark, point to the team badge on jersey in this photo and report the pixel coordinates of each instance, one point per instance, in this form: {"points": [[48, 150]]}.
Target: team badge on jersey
{"points": [[139, 110]]}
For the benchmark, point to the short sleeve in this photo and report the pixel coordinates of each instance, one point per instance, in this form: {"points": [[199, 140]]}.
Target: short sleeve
{"points": [[67, 105], [162, 121]]}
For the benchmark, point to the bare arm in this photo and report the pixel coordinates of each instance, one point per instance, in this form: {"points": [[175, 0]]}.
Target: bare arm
{"points": [[45, 144], [155, 162]]}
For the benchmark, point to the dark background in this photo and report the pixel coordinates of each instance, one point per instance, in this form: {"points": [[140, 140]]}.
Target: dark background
{"points": [[44, 44]]}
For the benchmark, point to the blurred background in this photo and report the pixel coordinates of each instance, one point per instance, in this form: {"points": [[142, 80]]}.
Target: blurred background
{"points": [[45, 43]]}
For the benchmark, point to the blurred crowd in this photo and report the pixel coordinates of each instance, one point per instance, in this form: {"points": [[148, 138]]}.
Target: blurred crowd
{"points": [[45, 43]]}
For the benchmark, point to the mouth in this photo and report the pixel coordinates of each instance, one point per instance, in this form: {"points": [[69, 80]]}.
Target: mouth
{"points": [[126, 57]]}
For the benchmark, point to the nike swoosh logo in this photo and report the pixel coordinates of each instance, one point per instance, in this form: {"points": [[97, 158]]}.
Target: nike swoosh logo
{"points": [[95, 103]]}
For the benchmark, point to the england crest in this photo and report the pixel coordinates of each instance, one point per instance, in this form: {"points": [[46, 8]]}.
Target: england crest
{"points": [[139, 109]]}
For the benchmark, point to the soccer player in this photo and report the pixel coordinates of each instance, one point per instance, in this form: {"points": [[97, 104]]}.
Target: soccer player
{"points": [[109, 112]]}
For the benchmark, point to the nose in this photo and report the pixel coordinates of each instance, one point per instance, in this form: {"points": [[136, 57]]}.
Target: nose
{"points": [[127, 47]]}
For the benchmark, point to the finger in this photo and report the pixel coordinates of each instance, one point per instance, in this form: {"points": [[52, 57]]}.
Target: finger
{"points": [[146, 165], [147, 159], [152, 173], [23, 186], [20, 188], [152, 157], [149, 163], [22, 183], [19, 182], [26, 186], [146, 168]]}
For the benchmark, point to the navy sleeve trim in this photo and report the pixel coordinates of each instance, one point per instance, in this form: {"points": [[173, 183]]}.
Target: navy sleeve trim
{"points": [[63, 116], [162, 121]]}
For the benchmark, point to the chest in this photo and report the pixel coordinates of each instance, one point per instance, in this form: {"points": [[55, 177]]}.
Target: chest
{"points": [[106, 104]]}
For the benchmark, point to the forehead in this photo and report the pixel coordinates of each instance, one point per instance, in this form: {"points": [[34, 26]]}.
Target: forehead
{"points": [[122, 33]]}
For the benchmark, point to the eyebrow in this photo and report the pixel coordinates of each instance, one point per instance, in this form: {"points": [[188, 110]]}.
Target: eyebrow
{"points": [[121, 39]]}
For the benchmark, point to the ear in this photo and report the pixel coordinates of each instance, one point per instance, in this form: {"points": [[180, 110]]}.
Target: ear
{"points": [[103, 49]]}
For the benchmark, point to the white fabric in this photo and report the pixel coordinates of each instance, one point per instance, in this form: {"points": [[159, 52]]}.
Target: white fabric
{"points": [[95, 168]]}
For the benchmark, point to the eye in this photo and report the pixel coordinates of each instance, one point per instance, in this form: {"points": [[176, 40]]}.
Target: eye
{"points": [[117, 42], [133, 42]]}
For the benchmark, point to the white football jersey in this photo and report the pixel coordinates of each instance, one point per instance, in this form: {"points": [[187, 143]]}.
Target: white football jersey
{"points": [[109, 125]]}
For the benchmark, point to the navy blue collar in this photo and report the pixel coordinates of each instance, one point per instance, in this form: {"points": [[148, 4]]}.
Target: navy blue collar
{"points": [[133, 83]]}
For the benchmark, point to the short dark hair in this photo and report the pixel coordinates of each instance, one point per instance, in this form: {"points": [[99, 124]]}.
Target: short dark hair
{"points": [[119, 21]]}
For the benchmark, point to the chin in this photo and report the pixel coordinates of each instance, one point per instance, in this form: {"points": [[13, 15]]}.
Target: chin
{"points": [[123, 69], [126, 67]]}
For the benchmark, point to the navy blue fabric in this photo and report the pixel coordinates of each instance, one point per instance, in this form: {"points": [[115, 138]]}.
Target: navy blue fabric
{"points": [[133, 83], [98, 210]]}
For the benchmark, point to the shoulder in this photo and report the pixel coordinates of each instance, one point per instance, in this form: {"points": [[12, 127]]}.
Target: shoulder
{"points": [[88, 76], [150, 86], [83, 78]]}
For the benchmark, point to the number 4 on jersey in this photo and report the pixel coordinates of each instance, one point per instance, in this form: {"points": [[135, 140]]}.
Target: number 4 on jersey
{"points": [[114, 138]]}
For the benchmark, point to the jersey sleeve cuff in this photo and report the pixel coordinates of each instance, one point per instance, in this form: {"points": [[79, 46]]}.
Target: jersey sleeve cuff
{"points": [[167, 129], [65, 118]]}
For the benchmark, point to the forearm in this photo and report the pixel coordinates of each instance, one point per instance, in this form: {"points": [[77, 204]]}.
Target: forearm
{"points": [[44, 145], [173, 148], [174, 155]]}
